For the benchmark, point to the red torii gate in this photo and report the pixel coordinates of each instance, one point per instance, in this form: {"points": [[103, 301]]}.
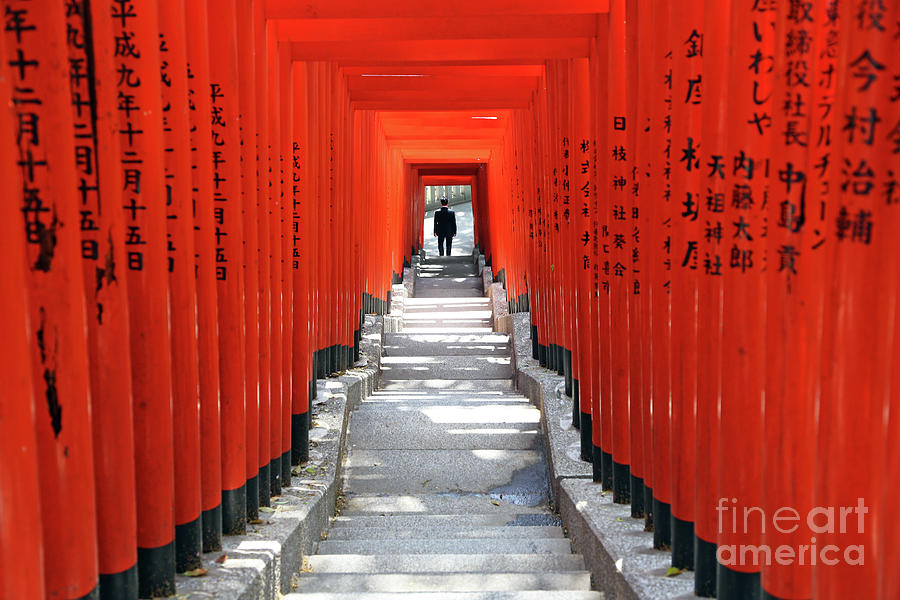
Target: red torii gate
{"points": [[697, 203]]}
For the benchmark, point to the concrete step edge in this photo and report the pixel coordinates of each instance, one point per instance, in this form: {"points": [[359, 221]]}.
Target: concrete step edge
{"points": [[445, 582], [518, 595], [468, 532], [433, 546]]}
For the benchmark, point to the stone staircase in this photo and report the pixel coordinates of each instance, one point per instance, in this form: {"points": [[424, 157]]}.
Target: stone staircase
{"points": [[446, 492]]}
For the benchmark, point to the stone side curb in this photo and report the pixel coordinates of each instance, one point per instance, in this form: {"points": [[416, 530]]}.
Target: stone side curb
{"points": [[393, 322], [409, 281], [545, 389], [617, 550], [261, 564], [487, 280]]}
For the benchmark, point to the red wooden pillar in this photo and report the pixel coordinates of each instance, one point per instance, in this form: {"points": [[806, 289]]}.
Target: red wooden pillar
{"points": [[205, 265], [287, 287], [659, 274], [888, 577], [743, 318], [225, 122], [92, 76], [713, 254], [136, 36], [645, 157], [274, 234], [619, 268], [583, 209], [634, 269], [37, 71], [601, 410], [183, 286], [21, 535], [685, 205], [263, 285], [300, 266], [249, 196], [861, 284], [795, 290]]}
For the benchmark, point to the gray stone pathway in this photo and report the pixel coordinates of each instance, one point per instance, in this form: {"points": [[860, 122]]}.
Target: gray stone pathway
{"points": [[446, 493]]}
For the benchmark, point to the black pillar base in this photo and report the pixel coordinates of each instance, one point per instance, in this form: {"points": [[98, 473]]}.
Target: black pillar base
{"points": [[156, 571], [212, 529], [621, 483], [253, 497], [587, 432], [286, 468], [606, 469], [188, 545], [637, 497], [265, 489], [275, 476], [767, 596], [119, 586], [94, 594], [567, 371], [234, 511], [542, 355], [682, 544], [576, 403], [596, 464], [705, 567], [299, 438], [560, 361], [535, 351], [320, 364], [648, 508], [662, 525], [736, 585]]}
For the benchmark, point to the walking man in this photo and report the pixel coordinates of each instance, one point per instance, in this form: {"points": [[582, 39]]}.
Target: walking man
{"points": [[444, 226]]}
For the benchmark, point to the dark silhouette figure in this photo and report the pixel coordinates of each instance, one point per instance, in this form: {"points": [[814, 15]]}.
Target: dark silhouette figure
{"points": [[444, 226]]}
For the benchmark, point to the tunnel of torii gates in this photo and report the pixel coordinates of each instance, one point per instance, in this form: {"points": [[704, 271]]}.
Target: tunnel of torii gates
{"points": [[698, 205]]}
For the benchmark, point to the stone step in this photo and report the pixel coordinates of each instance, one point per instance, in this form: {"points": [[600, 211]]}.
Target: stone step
{"points": [[453, 532], [415, 400], [448, 283], [442, 582], [442, 437], [448, 303], [451, 329], [465, 292], [484, 415], [481, 309], [464, 505], [446, 384], [426, 343], [424, 521], [415, 471], [399, 428], [444, 563], [445, 367], [447, 260], [445, 546], [454, 270], [412, 322], [435, 313], [521, 595]]}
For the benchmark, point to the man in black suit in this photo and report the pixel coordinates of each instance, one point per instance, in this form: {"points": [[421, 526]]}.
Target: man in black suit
{"points": [[444, 226]]}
